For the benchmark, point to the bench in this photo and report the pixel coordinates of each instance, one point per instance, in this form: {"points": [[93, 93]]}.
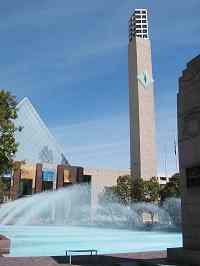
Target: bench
{"points": [[70, 253]]}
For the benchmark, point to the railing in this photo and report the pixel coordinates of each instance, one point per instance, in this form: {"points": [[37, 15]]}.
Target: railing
{"points": [[70, 253]]}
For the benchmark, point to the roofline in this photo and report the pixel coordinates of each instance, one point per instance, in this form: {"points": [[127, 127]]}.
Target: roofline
{"points": [[22, 101]]}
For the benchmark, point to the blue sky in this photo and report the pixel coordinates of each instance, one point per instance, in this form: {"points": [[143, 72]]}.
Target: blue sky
{"points": [[70, 59]]}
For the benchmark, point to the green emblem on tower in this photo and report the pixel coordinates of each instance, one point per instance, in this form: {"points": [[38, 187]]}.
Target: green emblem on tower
{"points": [[144, 79]]}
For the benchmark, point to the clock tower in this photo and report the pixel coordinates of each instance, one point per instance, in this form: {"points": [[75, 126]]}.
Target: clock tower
{"points": [[141, 98]]}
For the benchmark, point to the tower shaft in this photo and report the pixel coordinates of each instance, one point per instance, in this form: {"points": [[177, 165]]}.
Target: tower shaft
{"points": [[141, 104]]}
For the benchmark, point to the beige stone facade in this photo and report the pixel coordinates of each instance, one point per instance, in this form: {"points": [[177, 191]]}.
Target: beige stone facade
{"points": [[141, 105], [102, 178], [188, 110]]}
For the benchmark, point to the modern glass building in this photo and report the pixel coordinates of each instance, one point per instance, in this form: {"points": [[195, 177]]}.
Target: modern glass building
{"points": [[40, 163], [36, 143]]}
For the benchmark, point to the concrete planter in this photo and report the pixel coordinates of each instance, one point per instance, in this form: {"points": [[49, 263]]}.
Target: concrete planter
{"points": [[4, 245]]}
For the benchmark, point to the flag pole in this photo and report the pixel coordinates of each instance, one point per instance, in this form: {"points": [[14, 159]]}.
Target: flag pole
{"points": [[165, 159]]}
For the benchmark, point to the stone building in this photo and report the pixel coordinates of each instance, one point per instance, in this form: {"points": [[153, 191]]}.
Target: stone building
{"points": [[188, 113]]}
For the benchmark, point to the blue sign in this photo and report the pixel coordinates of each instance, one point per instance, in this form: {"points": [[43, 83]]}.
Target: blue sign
{"points": [[48, 175], [7, 174]]}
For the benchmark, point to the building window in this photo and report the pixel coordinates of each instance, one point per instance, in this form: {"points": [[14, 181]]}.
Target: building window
{"points": [[144, 16], [139, 26], [144, 11], [145, 26], [138, 31], [137, 16], [138, 21], [145, 36], [137, 11], [144, 21], [144, 31]]}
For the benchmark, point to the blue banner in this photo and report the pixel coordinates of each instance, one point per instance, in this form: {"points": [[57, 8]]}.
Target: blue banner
{"points": [[49, 175], [7, 174]]}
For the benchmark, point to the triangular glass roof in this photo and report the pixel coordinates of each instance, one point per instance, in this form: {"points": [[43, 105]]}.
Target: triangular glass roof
{"points": [[36, 143]]}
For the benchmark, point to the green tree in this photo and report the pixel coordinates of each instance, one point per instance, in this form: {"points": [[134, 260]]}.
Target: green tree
{"points": [[4, 190], [151, 190], [8, 145], [172, 188], [124, 189], [129, 189], [121, 193], [138, 190]]}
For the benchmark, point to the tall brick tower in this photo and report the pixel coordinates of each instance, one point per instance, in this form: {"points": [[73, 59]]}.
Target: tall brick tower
{"points": [[141, 98]]}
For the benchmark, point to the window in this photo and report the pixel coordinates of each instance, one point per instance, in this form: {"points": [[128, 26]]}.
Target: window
{"points": [[144, 31], [144, 21], [144, 12], [139, 35], [137, 16], [139, 26], [138, 21], [145, 36], [144, 16], [137, 11], [138, 31], [145, 26]]}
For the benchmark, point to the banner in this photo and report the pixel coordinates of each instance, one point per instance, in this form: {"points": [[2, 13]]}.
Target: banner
{"points": [[7, 174], [49, 172]]}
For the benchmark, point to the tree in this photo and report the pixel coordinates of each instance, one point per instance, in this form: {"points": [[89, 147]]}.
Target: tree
{"points": [[4, 190], [8, 145], [138, 190], [124, 189], [172, 188], [146, 190], [151, 190], [121, 193]]}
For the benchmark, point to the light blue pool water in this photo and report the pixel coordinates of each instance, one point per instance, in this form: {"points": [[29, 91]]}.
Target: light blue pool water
{"points": [[55, 240]]}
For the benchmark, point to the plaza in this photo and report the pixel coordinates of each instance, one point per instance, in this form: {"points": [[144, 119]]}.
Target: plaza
{"points": [[57, 210]]}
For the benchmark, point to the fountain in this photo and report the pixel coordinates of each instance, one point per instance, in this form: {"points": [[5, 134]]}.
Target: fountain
{"points": [[51, 222]]}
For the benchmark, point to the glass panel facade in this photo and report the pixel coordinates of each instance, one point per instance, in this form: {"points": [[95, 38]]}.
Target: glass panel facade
{"points": [[36, 143]]}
